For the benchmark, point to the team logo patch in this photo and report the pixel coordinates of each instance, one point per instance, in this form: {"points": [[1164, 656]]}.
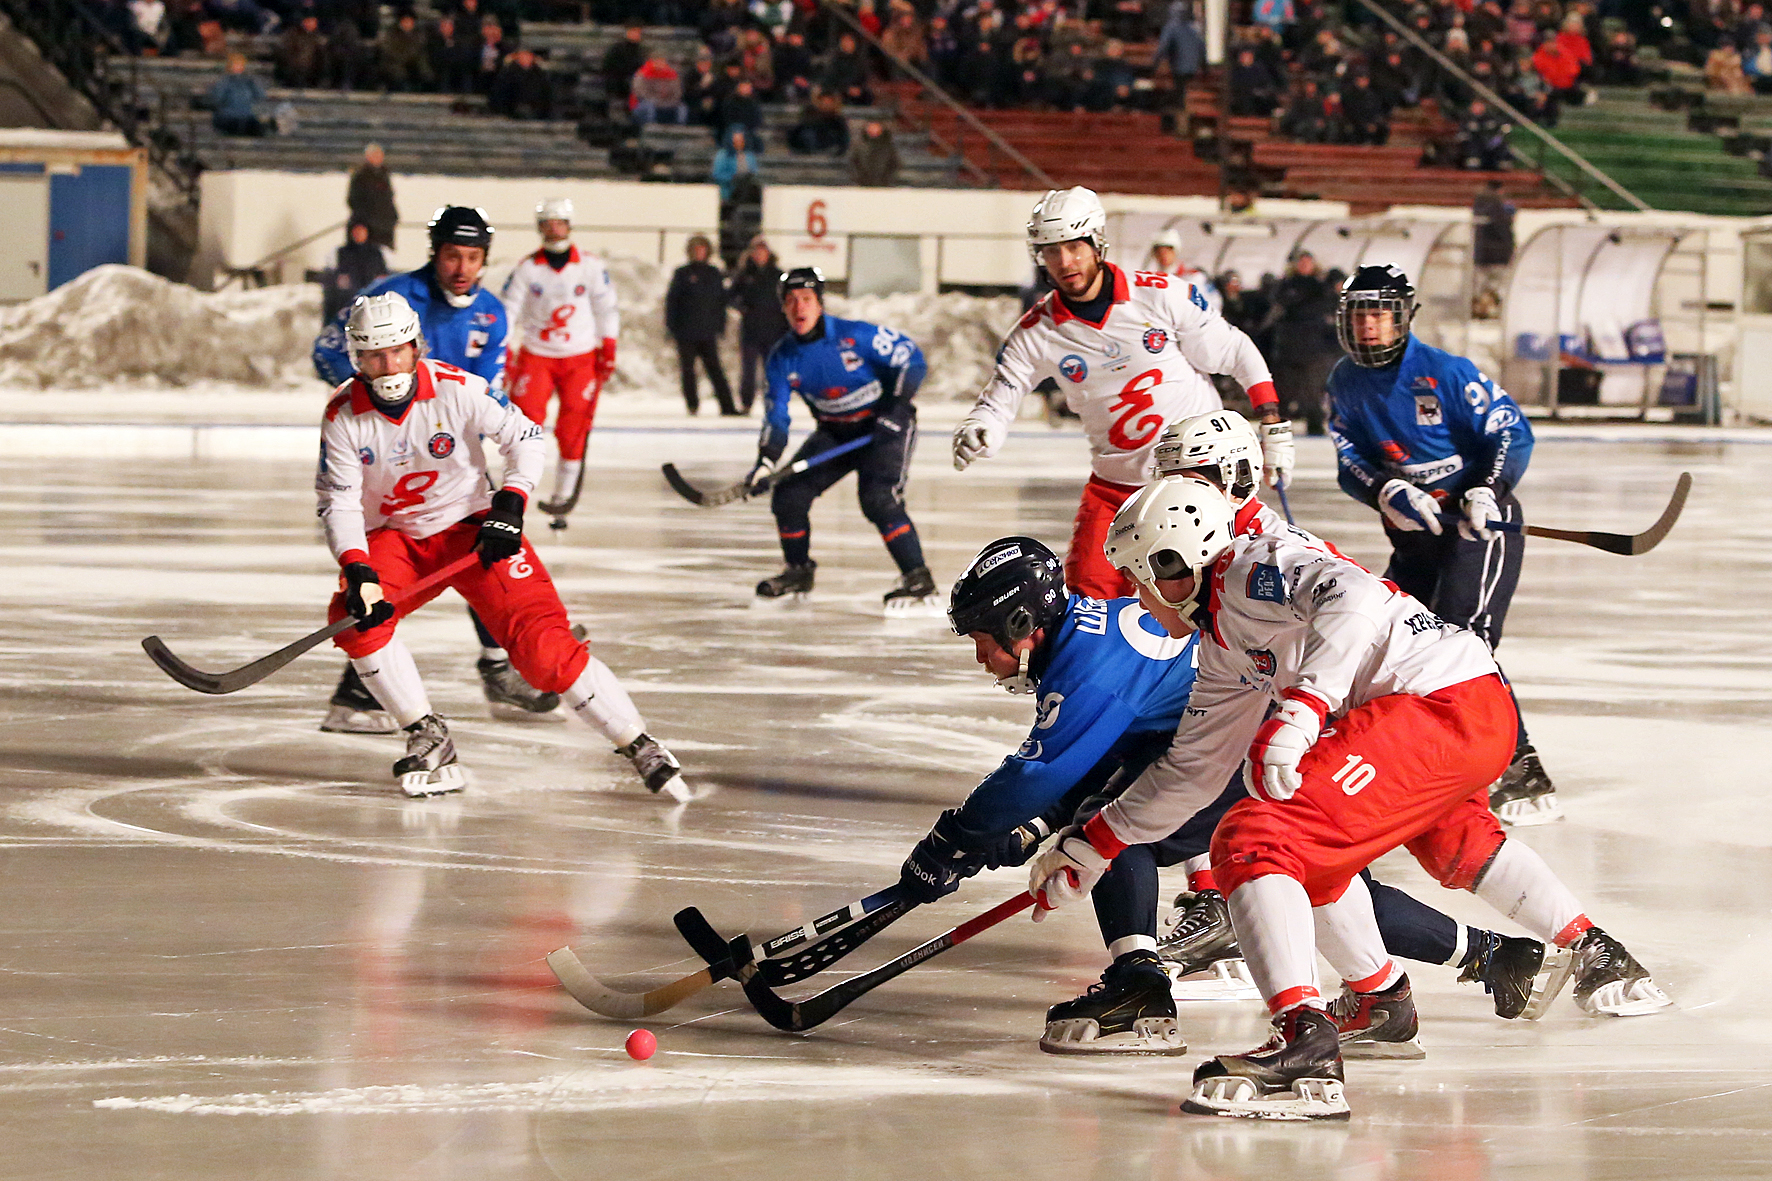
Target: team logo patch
{"points": [[365, 456], [535, 289], [442, 445], [1394, 451], [1500, 419], [1155, 339], [851, 362], [1427, 410], [1074, 367], [1265, 664], [579, 290], [1195, 298], [848, 342], [485, 319], [1267, 584], [1424, 382], [995, 560]]}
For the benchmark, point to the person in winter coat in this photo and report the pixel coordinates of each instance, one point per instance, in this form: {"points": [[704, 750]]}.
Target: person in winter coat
{"points": [[695, 316], [358, 263], [656, 94], [371, 197], [233, 98], [732, 163], [873, 160], [754, 290], [1304, 349]]}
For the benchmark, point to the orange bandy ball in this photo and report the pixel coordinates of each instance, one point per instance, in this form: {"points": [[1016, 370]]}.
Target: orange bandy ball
{"points": [[641, 1045]]}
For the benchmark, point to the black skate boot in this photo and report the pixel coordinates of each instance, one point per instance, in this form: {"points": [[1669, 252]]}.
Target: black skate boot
{"points": [[429, 768], [1202, 942], [1378, 1024], [790, 586], [914, 594], [509, 693], [1524, 795], [1129, 1011], [1609, 982], [658, 767], [1522, 975], [1297, 1075], [354, 710]]}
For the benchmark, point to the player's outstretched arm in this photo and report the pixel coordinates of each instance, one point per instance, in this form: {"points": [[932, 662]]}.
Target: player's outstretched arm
{"points": [[982, 432]]}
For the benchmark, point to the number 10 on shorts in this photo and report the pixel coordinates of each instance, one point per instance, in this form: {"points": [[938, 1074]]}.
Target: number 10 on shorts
{"points": [[1355, 774]]}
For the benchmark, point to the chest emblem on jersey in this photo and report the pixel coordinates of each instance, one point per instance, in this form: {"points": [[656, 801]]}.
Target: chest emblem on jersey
{"points": [[484, 319], [579, 290], [1263, 660], [1394, 451], [402, 453], [1424, 382], [851, 362], [1427, 410], [442, 445], [1074, 367], [535, 289], [1267, 583], [365, 456], [1155, 339]]}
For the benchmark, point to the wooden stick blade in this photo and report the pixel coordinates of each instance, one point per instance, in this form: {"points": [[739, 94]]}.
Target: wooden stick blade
{"points": [[1643, 542], [599, 998], [1625, 544], [247, 674]]}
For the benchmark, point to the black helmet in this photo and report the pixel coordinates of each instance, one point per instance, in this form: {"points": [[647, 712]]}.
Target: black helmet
{"points": [[1375, 288], [1014, 587], [460, 225], [810, 278]]}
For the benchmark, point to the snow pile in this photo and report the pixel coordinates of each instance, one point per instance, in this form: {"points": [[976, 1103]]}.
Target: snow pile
{"points": [[122, 324]]}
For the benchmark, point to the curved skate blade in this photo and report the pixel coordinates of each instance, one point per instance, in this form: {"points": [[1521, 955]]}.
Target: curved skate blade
{"points": [[1634, 998], [1241, 1098], [1553, 973], [1529, 812], [1082, 1035], [1405, 1051], [927, 607], [420, 784], [1223, 980], [795, 601]]}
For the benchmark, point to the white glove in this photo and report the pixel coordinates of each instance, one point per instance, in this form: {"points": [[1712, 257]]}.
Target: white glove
{"points": [[1065, 873], [760, 472], [975, 438], [1479, 509], [1278, 455], [1272, 770], [1409, 508]]}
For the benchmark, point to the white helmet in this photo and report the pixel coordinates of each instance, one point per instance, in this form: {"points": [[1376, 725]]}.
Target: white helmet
{"points": [[1171, 528], [1167, 238], [381, 322], [1064, 215], [554, 209], [1221, 445]]}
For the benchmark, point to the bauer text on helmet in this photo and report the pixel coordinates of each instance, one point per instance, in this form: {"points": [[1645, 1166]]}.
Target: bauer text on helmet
{"points": [[1166, 538], [1221, 446], [383, 337], [1373, 314]]}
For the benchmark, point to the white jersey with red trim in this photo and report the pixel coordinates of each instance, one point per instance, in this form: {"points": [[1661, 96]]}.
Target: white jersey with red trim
{"points": [[425, 470], [563, 313], [1142, 367], [1291, 618]]}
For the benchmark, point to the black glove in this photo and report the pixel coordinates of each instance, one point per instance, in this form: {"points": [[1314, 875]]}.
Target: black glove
{"points": [[501, 533], [893, 423], [761, 473], [952, 853], [374, 610]]}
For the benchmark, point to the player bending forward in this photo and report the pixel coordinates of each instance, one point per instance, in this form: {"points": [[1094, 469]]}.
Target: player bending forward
{"points": [[564, 305], [404, 491], [1387, 726], [1132, 352], [858, 379]]}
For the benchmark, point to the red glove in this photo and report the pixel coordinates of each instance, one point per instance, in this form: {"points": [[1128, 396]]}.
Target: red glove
{"points": [[604, 365]]}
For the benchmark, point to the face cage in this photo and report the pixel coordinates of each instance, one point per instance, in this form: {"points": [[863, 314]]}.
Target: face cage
{"points": [[1373, 356]]}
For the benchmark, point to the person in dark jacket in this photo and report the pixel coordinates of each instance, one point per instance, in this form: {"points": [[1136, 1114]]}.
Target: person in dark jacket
{"points": [[873, 160], [621, 61], [358, 263], [371, 197], [233, 98], [453, 55], [753, 290], [821, 129], [695, 316], [1304, 348], [524, 89]]}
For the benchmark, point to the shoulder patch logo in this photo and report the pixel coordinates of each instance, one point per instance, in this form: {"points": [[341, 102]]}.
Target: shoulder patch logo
{"points": [[1267, 584], [365, 455], [1195, 298], [442, 445], [1155, 339], [1424, 382], [1074, 367], [1427, 410]]}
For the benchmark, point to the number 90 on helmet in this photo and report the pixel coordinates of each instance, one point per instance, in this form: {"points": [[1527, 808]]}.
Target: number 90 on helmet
{"points": [[1013, 588], [1220, 445], [1174, 527]]}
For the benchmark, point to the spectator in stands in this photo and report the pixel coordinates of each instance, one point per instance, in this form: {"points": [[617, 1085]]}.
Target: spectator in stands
{"points": [[702, 90], [1560, 70], [821, 129], [793, 67], [1368, 118], [754, 291], [721, 22], [1307, 118], [403, 62], [1114, 78], [245, 15], [756, 61], [735, 166], [1243, 309], [867, 18], [1276, 15], [1180, 48], [348, 56], [1617, 65], [301, 53], [774, 17], [1572, 38], [743, 109], [357, 264], [1753, 17], [1723, 70], [846, 73], [621, 61], [1301, 320], [1253, 91], [233, 99], [873, 161], [1393, 82], [656, 93], [1492, 246], [525, 90], [904, 37], [944, 52], [695, 316], [1757, 62], [370, 197], [1482, 139], [492, 56], [146, 27], [452, 57]]}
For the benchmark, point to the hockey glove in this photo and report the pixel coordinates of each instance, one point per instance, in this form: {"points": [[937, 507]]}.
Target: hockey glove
{"points": [[362, 588], [1067, 871], [975, 438], [604, 365], [1278, 455], [762, 475], [892, 425], [501, 533], [1479, 509], [1282, 741], [948, 855], [1408, 508]]}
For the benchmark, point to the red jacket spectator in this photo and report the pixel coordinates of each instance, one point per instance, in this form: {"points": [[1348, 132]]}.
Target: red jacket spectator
{"points": [[656, 82], [1573, 42], [1558, 69]]}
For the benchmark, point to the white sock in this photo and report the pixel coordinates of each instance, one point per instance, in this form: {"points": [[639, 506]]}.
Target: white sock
{"points": [[1130, 943], [1272, 918], [393, 677], [494, 654], [1461, 947], [599, 699], [1521, 886], [1197, 864], [1348, 937], [567, 478]]}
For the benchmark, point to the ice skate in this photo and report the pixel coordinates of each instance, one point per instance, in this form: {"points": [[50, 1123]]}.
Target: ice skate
{"points": [[1128, 1011], [509, 694], [658, 767], [1522, 975], [1378, 1024], [1297, 1075], [789, 588], [1609, 982], [1525, 795], [914, 597], [429, 768], [354, 710], [1200, 951]]}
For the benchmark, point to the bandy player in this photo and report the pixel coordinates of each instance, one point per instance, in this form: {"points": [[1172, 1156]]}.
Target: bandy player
{"points": [[404, 492], [1132, 353], [564, 305]]}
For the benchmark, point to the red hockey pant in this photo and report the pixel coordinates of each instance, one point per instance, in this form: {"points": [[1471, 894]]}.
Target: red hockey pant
{"points": [[1399, 770], [1086, 569], [534, 380], [515, 599]]}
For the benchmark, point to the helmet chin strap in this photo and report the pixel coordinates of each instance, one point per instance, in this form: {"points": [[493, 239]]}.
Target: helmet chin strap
{"points": [[1023, 681], [459, 301]]}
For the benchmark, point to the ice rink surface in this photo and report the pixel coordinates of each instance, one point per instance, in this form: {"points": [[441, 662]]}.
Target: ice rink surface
{"points": [[233, 952]]}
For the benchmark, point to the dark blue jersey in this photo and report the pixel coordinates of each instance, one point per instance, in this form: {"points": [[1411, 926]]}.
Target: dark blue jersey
{"points": [[851, 374], [1433, 420], [471, 338], [1111, 672]]}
